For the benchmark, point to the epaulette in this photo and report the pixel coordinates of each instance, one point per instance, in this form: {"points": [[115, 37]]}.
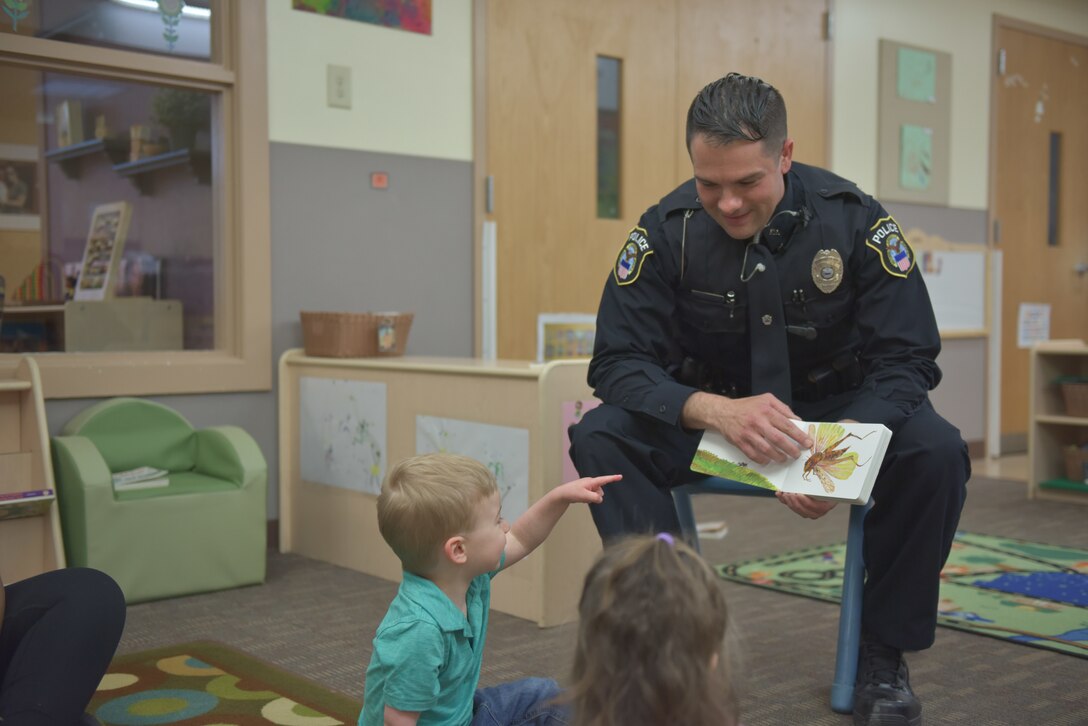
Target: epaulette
{"points": [[683, 197], [828, 185]]}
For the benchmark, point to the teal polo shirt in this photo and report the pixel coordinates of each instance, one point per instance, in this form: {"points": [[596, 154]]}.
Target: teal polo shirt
{"points": [[427, 653]]}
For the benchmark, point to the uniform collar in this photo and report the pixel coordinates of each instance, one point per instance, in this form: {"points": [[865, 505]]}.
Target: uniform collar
{"points": [[778, 232]]}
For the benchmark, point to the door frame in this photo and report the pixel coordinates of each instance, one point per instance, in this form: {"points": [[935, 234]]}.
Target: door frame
{"points": [[995, 440]]}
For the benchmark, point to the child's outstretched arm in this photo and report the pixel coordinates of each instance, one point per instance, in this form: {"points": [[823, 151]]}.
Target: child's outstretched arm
{"points": [[536, 524]]}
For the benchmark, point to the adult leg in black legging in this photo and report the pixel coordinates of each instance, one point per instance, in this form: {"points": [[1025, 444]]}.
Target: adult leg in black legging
{"points": [[59, 632]]}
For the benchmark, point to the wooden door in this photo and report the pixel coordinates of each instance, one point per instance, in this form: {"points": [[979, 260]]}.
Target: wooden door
{"points": [[1040, 101], [537, 136], [552, 250], [783, 42]]}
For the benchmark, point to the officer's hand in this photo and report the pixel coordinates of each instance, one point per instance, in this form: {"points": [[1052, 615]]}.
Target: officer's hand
{"points": [[805, 505], [760, 426]]}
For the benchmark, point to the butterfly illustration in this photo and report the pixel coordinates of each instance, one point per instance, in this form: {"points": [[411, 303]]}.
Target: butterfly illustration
{"points": [[828, 460]]}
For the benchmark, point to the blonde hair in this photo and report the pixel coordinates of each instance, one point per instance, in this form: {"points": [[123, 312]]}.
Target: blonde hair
{"points": [[650, 639], [427, 499]]}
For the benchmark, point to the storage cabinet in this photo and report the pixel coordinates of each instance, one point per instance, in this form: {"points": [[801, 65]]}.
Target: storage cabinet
{"points": [[28, 544], [1052, 430], [339, 525]]}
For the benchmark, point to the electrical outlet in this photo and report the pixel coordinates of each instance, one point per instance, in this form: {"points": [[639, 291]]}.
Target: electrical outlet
{"points": [[339, 86]]}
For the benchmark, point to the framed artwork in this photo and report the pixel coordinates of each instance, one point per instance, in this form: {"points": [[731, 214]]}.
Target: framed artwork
{"points": [[564, 335], [102, 255], [19, 198], [411, 15]]}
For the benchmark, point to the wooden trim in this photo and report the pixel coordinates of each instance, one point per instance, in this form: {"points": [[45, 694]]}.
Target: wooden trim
{"points": [[243, 362], [479, 173], [429, 364], [1004, 21], [58, 55]]}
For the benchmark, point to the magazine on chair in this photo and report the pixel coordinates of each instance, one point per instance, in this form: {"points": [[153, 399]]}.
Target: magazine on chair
{"points": [[841, 466]]}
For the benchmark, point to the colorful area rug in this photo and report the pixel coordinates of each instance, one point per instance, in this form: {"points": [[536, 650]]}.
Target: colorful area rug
{"points": [[1024, 592], [211, 683]]}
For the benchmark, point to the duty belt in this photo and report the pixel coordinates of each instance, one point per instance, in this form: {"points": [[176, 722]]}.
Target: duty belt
{"points": [[840, 375]]}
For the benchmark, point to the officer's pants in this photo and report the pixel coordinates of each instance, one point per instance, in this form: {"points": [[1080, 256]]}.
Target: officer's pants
{"points": [[908, 533]]}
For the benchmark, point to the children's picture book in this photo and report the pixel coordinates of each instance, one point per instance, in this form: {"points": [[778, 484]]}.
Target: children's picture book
{"points": [[145, 477], [841, 465], [17, 505]]}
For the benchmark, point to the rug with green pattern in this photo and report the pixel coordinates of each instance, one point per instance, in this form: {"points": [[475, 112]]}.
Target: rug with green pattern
{"points": [[1024, 592], [210, 683]]}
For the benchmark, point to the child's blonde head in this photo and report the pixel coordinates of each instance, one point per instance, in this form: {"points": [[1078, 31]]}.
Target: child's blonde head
{"points": [[651, 630], [427, 499]]}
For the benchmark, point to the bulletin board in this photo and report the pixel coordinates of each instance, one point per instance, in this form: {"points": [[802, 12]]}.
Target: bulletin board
{"points": [[957, 277], [914, 124]]}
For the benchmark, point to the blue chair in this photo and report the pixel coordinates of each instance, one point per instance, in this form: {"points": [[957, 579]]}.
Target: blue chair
{"points": [[846, 658]]}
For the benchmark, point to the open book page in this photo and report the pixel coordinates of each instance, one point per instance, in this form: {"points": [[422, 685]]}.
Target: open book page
{"points": [[841, 465]]}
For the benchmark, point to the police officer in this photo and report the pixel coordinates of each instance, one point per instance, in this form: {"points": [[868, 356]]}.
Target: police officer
{"points": [[759, 291]]}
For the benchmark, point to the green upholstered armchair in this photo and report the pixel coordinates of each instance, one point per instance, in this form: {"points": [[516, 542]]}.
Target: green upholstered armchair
{"points": [[205, 530]]}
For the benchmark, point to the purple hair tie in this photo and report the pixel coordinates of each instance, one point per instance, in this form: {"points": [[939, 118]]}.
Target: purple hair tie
{"points": [[667, 538]]}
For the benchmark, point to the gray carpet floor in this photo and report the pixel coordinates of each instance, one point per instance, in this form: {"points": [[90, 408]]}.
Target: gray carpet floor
{"points": [[317, 620]]}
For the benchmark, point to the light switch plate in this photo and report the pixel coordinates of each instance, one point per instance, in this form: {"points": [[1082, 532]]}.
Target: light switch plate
{"points": [[339, 86]]}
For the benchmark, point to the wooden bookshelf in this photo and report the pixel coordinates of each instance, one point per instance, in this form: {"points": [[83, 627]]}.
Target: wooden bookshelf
{"points": [[28, 544], [1052, 430]]}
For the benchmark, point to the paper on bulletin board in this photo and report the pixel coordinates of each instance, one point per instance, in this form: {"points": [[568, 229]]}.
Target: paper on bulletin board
{"points": [[916, 75], [1032, 324], [915, 156], [342, 433], [572, 414], [502, 449]]}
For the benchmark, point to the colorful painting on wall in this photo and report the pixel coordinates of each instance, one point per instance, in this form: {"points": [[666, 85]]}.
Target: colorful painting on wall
{"points": [[410, 15]]}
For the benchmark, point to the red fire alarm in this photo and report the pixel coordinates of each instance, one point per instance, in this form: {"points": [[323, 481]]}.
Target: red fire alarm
{"points": [[379, 180]]}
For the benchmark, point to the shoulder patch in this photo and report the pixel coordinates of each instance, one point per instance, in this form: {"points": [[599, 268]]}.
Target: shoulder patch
{"points": [[636, 248], [887, 239]]}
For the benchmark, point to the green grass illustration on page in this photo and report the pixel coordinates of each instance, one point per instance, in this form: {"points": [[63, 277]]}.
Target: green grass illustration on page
{"points": [[707, 463]]}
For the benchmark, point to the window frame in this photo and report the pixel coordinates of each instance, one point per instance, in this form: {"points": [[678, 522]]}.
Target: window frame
{"points": [[242, 357]]}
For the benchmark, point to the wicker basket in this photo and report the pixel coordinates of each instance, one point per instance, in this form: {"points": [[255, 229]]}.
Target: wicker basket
{"points": [[1076, 463], [1076, 399], [355, 335]]}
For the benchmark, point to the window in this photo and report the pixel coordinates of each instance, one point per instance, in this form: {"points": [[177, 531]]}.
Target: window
{"points": [[609, 72], [133, 184]]}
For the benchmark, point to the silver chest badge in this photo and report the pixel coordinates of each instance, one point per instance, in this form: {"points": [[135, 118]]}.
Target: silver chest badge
{"points": [[827, 270]]}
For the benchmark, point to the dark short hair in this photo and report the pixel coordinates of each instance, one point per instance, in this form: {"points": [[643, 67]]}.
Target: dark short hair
{"points": [[738, 108]]}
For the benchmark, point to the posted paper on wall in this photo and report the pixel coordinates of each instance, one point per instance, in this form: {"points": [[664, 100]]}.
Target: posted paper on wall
{"points": [[1033, 324], [502, 449], [342, 433]]}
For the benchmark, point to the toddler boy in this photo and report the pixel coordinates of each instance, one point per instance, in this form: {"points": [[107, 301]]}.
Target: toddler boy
{"points": [[441, 515]]}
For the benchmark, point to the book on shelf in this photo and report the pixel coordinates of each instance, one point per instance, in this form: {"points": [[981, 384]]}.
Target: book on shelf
{"points": [[28, 494], [841, 465], [32, 503], [144, 477]]}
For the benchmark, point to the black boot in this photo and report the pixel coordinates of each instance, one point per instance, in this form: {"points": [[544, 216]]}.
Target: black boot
{"points": [[883, 696]]}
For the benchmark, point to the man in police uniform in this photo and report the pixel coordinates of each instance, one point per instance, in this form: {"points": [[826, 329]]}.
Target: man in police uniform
{"points": [[764, 290]]}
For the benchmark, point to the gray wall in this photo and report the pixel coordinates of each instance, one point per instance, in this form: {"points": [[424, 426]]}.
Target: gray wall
{"points": [[961, 395], [339, 245]]}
